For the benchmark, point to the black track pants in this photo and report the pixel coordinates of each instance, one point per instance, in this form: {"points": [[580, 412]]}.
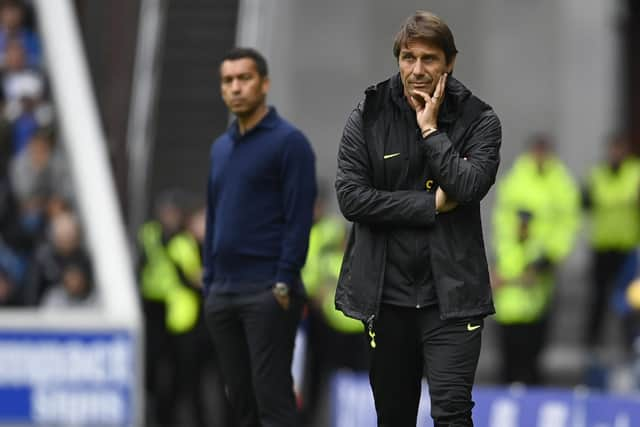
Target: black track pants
{"points": [[412, 343]]}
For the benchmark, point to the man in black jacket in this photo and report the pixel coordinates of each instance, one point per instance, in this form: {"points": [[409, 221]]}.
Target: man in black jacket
{"points": [[415, 159]]}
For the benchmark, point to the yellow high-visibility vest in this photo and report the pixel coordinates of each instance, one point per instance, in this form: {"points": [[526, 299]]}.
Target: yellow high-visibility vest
{"points": [[516, 301], [551, 196], [159, 274], [160, 279], [615, 206], [183, 302], [326, 235], [335, 318]]}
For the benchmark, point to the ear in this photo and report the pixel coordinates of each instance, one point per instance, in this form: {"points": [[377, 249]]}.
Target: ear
{"points": [[266, 84], [451, 65]]}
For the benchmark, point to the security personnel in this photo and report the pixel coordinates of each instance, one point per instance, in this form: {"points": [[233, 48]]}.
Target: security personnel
{"points": [[334, 340], [611, 197], [170, 307], [535, 223], [523, 287], [191, 349]]}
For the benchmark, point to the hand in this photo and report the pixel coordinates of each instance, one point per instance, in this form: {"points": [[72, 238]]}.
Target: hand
{"points": [[442, 203], [426, 106], [281, 294]]}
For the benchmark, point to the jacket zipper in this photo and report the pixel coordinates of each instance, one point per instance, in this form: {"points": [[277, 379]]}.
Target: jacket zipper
{"points": [[372, 318], [372, 333]]}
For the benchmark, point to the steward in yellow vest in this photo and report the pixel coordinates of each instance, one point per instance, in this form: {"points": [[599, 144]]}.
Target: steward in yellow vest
{"points": [[611, 198], [335, 341], [321, 271], [535, 221], [172, 278]]}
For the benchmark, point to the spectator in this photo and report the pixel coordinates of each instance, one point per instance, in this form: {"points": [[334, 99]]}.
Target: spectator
{"points": [[6, 143], [12, 272], [8, 289], [535, 224], [63, 246], [23, 90], [12, 26], [40, 171], [12, 224], [76, 288], [18, 78]]}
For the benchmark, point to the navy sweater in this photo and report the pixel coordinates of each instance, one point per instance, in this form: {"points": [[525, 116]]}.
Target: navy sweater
{"points": [[261, 191]]}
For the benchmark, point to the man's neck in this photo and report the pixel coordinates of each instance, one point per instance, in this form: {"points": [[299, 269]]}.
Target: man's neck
{"points": [[248, 122]]}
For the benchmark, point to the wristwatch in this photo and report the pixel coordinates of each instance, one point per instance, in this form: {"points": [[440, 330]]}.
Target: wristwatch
{"points": [[281, 289]]}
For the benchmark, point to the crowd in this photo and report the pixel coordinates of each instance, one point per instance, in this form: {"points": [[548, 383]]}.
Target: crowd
{"points": [[43, 261]]}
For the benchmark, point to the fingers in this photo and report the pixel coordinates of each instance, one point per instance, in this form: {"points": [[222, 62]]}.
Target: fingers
{"points": [[438, 94], [441, 199], [415, 103], [425, 96], [443, 203]]}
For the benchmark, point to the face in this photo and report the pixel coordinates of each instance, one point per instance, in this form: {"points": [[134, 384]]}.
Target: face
{"points": [[65, 234], [198, 225], [421, 64], [74, 281], [11, 17], [170, 217], [5, 288], [617, 152], [40, 152], [243, 89], [541, 153], [14, 56]]}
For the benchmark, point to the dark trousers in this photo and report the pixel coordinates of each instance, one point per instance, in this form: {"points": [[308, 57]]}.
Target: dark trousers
{"points": [[521, 348], [254, 337], [412, 343], [606, 266]]}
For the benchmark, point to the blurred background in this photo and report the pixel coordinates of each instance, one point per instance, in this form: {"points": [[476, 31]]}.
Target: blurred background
{"points": [[109, 109]]}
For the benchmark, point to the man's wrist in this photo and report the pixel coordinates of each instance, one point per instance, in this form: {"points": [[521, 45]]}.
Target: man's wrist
{"points": [[281, 289], [428, 130]]}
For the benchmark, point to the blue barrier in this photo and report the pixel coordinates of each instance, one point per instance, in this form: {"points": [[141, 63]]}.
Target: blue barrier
{"points": [[352, 405], [70, 378]]}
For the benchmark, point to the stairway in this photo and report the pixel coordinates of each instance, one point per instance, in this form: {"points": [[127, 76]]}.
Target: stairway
{"points": [[190, 112]]}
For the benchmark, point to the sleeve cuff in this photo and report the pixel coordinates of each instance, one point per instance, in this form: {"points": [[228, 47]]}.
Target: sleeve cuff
{"points": [[287, 277], [428, 206], [430, 141]]}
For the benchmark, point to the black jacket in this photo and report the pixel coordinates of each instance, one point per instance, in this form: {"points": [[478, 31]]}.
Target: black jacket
{"points": [[468, 128]]}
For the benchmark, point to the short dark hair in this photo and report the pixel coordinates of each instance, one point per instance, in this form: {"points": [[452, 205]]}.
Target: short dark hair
{"points": [[426, 26], [247, 52]]}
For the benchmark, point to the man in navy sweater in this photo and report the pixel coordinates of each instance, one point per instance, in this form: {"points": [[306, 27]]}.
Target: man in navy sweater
{"points": [[261, 193]]}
